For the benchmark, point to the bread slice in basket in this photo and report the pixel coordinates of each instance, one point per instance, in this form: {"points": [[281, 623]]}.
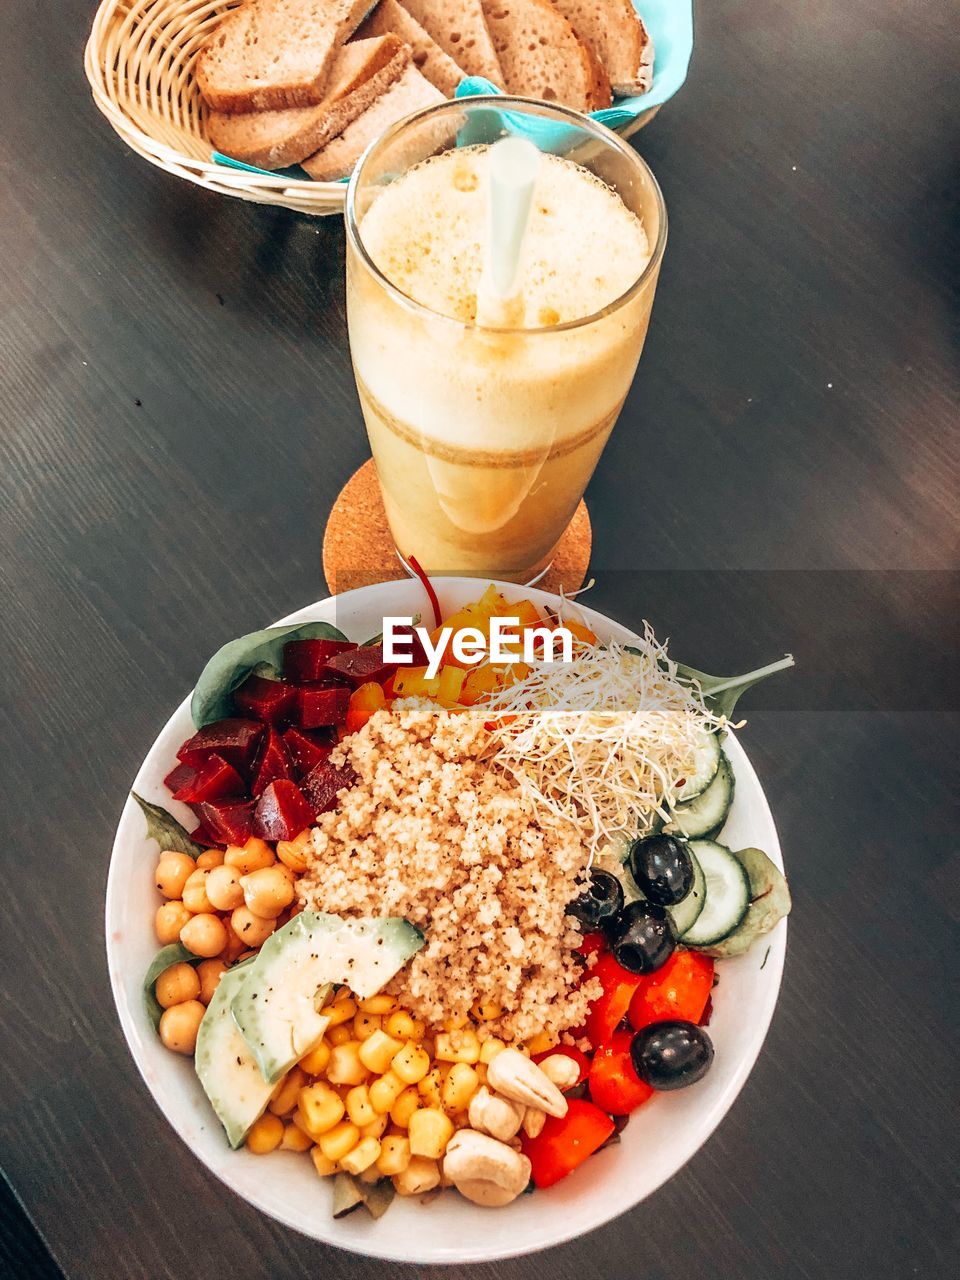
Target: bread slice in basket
{"points": [[460, 29], [410, 93], [615, 33], [273, 54], [362, 71], [541, 56], [390, 17]]}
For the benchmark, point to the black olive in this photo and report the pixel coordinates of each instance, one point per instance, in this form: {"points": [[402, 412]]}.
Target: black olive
{"points": [[642, 937], [671, 1055], [662, 869], [601, 900]]}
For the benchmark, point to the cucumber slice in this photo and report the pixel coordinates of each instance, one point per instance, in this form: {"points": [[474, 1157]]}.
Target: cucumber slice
{"points": [[728, 894], [707, 812], [706, 762], [686, 913]]}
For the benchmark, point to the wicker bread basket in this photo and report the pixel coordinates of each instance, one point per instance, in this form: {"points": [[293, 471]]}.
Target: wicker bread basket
{"points": [[140, 60]]}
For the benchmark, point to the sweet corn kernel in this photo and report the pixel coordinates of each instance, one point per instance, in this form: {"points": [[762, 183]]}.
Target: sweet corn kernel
{"points": [[336, 1142], [320, 1108], [385, 1091], [429, 1132], [365, 1024], [429, 1045], [294, 1139], [486, 1011], [322, 1165], [285, 1095], [376, 1126], [358, 1106], [345, 1066], [369, 1175], [419, 1177], [378, 1050], [363, 1155], [429, 1088], [459, 1087], [265, 1134], [457, 1023], [411, 1063], [339, 1034], [481, 1070], [315, 1062], [404, 1107], [489, 1050], [342, 1010], [394, 1156], [458, 1046], [541, 1042], [402, 1027], [380, 1004]]}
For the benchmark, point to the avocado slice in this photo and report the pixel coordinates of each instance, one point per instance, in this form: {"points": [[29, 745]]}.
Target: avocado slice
{"points": [[278, 1009], [225, 1066]]}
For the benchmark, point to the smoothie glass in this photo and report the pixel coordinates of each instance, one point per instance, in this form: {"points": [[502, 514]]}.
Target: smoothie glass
{"points": [[485, 438]]}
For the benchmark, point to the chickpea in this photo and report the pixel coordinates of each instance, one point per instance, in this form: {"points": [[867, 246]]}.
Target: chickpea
{"points": [[293, 853], [223, 888], [172, 871], [252, 930], [235, 946], [267, 892], [204, 935], [210, 858], [195, 892], [250, 857], [209, 972], [179, 1026], [170, 919], [177, 983]]}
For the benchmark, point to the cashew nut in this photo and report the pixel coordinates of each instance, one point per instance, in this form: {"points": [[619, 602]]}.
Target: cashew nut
{"points": [[533, 1122], [490, 1113], [561, 1070], [520, 1080], [484, 1170]]}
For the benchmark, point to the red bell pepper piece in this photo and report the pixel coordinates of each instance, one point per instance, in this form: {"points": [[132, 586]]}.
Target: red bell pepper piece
{"points": [[679, 990], [610, 1008], [592, 944], [564, 1143], [613, 1083], [364, 701], [568, 1051]]}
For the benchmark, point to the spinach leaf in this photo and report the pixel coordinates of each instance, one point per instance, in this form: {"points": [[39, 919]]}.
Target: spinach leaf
{"points": [[721, 693], [172, 954], [231, 665], [166, 830], [769, 903], [378, 638]]}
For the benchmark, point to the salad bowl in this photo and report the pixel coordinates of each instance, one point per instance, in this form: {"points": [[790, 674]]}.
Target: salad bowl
{"points": [[661, 1137]]}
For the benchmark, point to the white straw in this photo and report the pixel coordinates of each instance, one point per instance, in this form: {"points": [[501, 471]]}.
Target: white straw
{"points": [[512, 174]]}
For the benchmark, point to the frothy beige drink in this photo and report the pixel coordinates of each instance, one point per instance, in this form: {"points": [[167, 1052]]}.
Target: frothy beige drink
{"points": [[485, 439]]}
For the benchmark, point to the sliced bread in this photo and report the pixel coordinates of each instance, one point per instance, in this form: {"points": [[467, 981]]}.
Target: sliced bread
{"points": [[541, 56], [272, 54], [408, 94], [362, 71], [430, 60], [614, 31], [459, 28]]}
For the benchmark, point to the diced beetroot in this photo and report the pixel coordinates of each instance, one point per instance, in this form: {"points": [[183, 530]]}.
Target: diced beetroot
{"points": [[235, 740], [267, 700], [282, 812], [273, 762], [201, 835], [361, 665], [228, 820], [324, 782], [214, 778], [418, 655], [319, 707], [307, 750], [304, 660], [179, 777]]}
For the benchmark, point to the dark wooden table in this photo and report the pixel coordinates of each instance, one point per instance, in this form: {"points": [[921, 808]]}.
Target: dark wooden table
{"points": [[178, 413]]}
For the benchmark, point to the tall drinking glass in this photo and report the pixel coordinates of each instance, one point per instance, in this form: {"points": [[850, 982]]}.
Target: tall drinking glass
{"points": [[485, 437]]}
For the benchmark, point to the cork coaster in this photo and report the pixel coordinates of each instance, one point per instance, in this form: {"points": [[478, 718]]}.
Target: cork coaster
{"points": [[358, 548]]}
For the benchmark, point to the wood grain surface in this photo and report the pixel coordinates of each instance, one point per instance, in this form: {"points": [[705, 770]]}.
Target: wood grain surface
{"points": [[177, 414]]}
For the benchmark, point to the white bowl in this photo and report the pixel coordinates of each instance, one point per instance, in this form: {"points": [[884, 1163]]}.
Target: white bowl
{"points": [[659, 1139]]}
